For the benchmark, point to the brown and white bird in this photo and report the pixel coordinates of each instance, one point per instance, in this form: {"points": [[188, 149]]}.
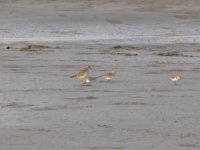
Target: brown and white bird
{"points": [[82, 73], [85, 81], [109, 75], [175, 78]]}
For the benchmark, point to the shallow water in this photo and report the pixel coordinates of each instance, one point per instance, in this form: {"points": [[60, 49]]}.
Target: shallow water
{"points": [[128, 21]]}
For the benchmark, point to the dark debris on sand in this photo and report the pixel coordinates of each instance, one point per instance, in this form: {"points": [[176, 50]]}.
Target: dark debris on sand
{"points": [[171, 53], [122, 50], [34, 48]]}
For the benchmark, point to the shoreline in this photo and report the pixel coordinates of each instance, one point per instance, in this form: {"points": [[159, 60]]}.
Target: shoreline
{"points": [[150, 39]]}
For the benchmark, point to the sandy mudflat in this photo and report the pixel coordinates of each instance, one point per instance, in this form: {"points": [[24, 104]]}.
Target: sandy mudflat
{"points": [[42, 108]]}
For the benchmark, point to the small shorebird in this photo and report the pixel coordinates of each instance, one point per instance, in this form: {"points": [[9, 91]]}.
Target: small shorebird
{"points": [[82, 73], [85, 81], [108, 75], [175, 78]]}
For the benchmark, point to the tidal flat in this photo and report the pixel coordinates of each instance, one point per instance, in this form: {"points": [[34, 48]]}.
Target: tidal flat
{"points": [[43, 108], [42, 43]]}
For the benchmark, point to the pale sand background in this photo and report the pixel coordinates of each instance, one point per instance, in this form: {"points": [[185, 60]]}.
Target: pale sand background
{"points": [[130, 20], [41, 108]]}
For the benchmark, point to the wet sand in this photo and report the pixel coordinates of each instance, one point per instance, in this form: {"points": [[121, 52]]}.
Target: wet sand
{"points": [[42, 108]]}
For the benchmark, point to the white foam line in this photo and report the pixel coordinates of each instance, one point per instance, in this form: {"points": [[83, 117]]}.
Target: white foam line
{"points": [[142, 37]]}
